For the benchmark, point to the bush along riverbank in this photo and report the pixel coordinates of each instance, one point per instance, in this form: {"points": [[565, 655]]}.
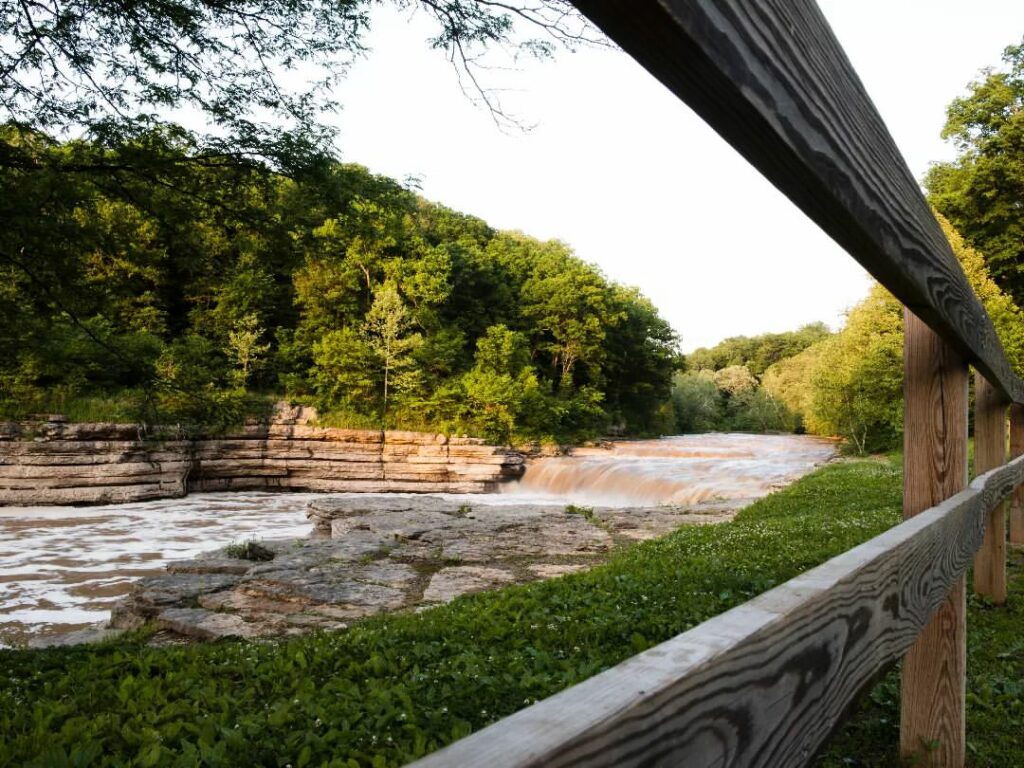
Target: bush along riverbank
{"points": [[394, 688]]}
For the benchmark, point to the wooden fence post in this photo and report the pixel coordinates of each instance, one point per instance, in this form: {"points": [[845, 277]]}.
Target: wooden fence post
{"points": [[989, 453], [1016, 449], [934, 468]]}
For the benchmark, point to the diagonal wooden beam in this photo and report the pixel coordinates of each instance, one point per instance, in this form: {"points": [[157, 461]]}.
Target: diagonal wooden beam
{"points": [[770, 77]]}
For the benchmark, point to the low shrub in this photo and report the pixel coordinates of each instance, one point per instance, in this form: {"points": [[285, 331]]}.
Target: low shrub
{"points": [[249, 550]]}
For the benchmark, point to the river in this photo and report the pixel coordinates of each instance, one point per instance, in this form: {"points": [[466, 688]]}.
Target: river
{"points": [[62, 568]]}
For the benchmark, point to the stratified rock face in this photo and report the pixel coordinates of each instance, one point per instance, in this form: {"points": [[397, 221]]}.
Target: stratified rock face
{"points": [[55, 462], [60, 463], [375, 554]]}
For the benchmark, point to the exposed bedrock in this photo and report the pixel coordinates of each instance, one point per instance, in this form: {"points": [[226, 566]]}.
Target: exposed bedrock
{"points": [[373, 555], [54, 462]]}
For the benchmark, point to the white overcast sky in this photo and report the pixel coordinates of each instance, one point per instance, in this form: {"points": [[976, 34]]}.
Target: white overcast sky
{"points": [[627, 175]]}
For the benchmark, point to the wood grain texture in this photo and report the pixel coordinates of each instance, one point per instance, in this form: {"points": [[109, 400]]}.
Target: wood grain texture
{"points": [[989, 453], [1017, 449], [765, 683], [770, 77], [934, 674]]}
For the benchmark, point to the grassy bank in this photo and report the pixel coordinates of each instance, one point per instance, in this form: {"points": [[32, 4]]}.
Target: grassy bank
{"points": [[394, 688]]}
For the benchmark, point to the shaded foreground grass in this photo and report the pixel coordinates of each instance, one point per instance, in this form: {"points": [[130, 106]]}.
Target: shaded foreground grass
{"points": [[995, 693], [396, 687]]}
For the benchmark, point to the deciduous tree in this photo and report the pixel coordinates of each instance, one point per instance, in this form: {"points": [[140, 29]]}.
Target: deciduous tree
{"points": [[981, 191]]}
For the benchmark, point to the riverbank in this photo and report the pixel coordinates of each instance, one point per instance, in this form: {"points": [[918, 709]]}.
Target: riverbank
{"points": [[55, 462], [395, 687]]}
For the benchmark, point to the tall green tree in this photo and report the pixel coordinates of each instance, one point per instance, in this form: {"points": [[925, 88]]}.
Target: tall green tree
{"points": [[789, 381], [980, 192], [697, 402], [641, 356], [245, 349], [502, 386], [568, 303], [388, 335], [858, 380]]}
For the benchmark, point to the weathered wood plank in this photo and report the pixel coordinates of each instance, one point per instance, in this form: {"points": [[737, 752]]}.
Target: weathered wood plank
{"points": [[765, 683], [934, 674], [772, 80], [989, 453], [1017, 449]]}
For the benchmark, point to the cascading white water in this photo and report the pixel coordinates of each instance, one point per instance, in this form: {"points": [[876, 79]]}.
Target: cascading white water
{"points": [[688, 469]]}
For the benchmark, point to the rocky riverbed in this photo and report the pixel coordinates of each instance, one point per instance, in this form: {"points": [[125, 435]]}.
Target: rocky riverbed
{"points": [[358, 554], [377, 554]]}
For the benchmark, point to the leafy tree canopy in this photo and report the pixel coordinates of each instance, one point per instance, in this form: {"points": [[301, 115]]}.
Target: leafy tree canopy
{"points": [[757, 353], [111, 72], [981, 191], [851, 384]]}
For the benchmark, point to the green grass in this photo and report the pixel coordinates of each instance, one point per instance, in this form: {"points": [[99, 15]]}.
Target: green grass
{"points": [[995, 693], [122, 406], [249, 550], [345, 419], [394, 688]]}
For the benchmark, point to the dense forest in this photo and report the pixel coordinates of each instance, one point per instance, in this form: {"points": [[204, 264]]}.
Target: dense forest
{"points": [[193, 293], [722, 390]]}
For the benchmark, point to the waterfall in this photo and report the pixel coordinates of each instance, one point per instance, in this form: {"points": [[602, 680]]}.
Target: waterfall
{"points": [[685, 470]]}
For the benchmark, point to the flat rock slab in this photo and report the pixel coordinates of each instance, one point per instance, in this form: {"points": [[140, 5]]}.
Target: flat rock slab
{"points": [[95, 634], [205, 625], [375, 554], [449, 583]]}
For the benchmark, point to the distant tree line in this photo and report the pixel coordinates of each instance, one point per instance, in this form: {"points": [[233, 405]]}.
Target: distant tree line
{"points": [[721, 389], [847, 384], [192, 292]]}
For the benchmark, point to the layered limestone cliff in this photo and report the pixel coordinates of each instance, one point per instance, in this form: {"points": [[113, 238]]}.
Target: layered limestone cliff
{"points": [[54, 462]]}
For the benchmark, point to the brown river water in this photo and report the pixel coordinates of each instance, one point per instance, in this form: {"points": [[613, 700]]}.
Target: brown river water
{"points": [[62, 568]]}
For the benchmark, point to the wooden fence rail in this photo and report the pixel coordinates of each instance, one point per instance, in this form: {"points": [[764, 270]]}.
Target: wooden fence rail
{"points": [[771, 78], [766, 683]]}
